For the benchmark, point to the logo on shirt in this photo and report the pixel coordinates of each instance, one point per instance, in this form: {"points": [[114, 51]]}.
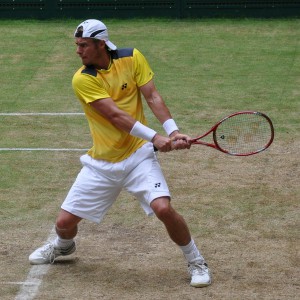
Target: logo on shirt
{"points": [[157, 185], [124, 86]]}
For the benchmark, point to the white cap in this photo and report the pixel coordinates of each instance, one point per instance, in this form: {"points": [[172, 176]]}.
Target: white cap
{"points": [[94, 29]]}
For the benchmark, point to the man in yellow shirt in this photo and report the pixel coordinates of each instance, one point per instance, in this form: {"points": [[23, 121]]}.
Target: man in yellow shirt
{"points": [[110, 85]]}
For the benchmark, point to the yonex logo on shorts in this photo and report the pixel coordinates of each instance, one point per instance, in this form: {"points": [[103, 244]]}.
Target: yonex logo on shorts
{"points": [[157, 185]]}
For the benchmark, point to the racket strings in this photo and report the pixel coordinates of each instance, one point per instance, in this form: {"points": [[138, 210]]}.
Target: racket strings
{"points": [[243, 133]]}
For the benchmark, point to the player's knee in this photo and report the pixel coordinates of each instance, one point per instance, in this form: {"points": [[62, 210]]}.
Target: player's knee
{"points": [[63, 226], [163, 210], [66, 222]]}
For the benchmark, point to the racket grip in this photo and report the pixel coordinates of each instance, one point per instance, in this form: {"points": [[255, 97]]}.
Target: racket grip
{"points": [[155, 149]]}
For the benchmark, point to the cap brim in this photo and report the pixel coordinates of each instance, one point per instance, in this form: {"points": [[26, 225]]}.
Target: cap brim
{"points": [[110, 45]]}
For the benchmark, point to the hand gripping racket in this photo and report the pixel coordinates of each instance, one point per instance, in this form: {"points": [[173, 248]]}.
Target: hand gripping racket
{"points": [[242, 133]]}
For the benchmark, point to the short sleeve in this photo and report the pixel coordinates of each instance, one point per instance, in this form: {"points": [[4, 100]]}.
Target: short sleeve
{"points": [[88, 88], [143, 72]]}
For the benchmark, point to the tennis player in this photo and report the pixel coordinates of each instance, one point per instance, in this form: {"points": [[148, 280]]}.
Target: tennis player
{"points": [[110, 86]]}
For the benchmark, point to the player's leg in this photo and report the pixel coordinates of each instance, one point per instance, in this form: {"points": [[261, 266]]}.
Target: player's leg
{"points": [[147, 183], [174, 222], [180, 234], [90, 197], [64, 244], [67, 225]]}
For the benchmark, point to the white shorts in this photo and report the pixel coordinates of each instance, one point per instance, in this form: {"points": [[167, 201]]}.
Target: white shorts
{"points": [[100, 182]]}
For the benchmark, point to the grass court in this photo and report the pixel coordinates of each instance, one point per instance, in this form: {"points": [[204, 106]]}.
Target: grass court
{"points": [[243, 212]]}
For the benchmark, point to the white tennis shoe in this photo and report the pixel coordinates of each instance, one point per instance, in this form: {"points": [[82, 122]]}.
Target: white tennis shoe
{"points": [[200, 274], [48, 253]]}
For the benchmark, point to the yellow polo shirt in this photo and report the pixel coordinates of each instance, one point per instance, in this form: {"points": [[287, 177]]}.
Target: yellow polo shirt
{"points": [[128, 71]]}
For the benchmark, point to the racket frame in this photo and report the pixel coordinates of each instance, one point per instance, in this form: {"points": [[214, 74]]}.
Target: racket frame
{"points": [[213, 130]]}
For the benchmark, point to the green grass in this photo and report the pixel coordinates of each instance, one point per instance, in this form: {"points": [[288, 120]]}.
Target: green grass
{"points": [[210, 67], [237, 208]]}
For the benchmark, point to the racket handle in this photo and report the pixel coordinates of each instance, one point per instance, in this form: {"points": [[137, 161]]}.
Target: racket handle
{"points": [[155, 149]]}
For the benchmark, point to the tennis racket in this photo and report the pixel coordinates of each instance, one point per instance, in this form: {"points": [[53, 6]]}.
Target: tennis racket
{"points": [[241, 134]]}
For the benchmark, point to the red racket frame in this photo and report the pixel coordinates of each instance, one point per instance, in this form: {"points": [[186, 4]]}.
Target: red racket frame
{"points": [[214, 129]]}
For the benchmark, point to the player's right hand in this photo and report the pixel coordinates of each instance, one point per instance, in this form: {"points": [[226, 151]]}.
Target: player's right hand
{"points": [[162, 144]]}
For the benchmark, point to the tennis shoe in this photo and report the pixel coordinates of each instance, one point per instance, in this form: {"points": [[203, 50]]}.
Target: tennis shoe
{"points": [[200, 274], [48, 253]]}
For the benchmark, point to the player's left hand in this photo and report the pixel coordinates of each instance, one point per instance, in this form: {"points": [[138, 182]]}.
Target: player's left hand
{"points": [[180, 141]]}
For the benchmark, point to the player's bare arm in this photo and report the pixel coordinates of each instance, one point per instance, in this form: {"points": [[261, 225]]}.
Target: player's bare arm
{"points": [[119, 118], [109, 110], [162, 113]]}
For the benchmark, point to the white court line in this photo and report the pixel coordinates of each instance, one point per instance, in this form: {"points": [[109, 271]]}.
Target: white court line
{"points": [[17, 282], [42, 114], [43, 149], [30, 287]]}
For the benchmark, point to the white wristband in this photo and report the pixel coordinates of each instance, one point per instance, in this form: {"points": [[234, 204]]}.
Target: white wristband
{"points": [[170, 126], [142, 131]]}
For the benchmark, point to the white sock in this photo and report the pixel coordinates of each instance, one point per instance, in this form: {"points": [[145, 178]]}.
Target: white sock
{"points": [[191, 252], [62, 243]]}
